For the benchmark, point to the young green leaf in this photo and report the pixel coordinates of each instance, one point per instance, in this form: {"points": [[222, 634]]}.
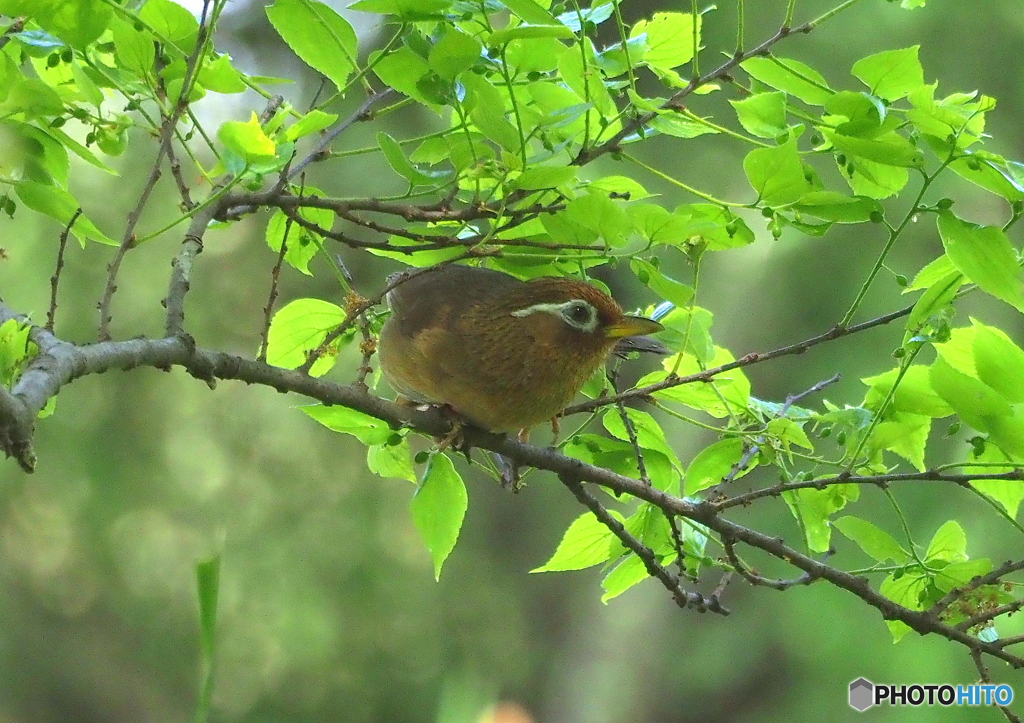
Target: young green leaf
{"points": [[61, 206], [891, 74], [319, 36], [985, 256], [300, 327], [776, 174], [247, 140], [664, 286], [669, 39], [587, 542], [712, 464], [438, 508], [368, 430], [763, 114], [791, 76], [874, 541], [948, 544]]}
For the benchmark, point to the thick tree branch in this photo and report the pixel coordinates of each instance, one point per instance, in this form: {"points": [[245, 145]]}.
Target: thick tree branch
{"points": [[61, 362]]}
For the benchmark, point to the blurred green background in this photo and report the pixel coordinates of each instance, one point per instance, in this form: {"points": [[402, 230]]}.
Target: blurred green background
{"points": [[329, 610]]}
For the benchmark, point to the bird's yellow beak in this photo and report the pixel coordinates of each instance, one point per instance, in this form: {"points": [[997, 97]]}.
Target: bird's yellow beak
{"points": [[632, 326]]}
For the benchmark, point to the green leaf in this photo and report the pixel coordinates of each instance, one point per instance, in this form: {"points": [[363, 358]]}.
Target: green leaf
{"points": [[503, 37], [133, 49], [404, 9], [402, 70], [763, 114], [601, 215], [318, 35], [623, 576], [891, 74], [530, 12], [620, 187], [300, 327], [791, 76], [438, 508], [660, 459], [586, 543], [312, 122], [33, 98], [949, 544], [935, 270], [935, 298], [788, 432], [864, 113], [61, 206], [367, 429], [905, 434], [999, 362], [776, 174], [914, 394], [399, 163], [874, 541], [669, 39], [454, 53], [488, 112], [890, 149], [876, 180], [984, 255], [302, 243], [906, 590], [539, 177], [169, 20], [247, 140], [391, 460], [832, 206], [595, 15], [712, 464], [713, 226], [680, 126], [664, 286], [813, 508], [957, 574], [1007, 493], [76, 22], [974, 402], [727, 394], [220, 77]]}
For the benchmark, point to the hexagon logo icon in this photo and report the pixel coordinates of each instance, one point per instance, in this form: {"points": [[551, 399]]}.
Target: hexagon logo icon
{"points": [[862, 694]]}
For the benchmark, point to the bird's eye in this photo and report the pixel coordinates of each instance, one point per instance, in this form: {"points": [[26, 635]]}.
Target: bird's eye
{"points": [[580, 315]]}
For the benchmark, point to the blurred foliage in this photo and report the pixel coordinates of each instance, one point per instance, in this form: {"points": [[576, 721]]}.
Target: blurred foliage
{"points": [[327, 608]]}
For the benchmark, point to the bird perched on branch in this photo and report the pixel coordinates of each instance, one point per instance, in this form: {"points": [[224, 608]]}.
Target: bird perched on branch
{"points": [[502, 353]]}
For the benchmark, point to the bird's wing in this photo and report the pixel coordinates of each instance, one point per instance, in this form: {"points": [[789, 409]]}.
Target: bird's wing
{"points": [[434, 298]]}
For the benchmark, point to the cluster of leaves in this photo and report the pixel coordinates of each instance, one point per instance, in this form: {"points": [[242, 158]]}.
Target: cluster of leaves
{"points": [[525, 98]]}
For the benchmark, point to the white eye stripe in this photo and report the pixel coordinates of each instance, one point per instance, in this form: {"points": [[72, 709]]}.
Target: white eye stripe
{"points": [[576, 313]]}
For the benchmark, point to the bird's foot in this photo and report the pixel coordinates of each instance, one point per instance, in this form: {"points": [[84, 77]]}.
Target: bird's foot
{"points": [[508, 473]]}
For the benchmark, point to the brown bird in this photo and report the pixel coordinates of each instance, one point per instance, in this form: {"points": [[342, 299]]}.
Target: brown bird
{"points": [[505, 354]]}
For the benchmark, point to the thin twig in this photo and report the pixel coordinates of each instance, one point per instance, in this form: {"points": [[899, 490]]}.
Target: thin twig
{"points": [[362, 113], [753, 358], [15, 27], [753, 578], [268, 310], [983, 675], [51, 314], [962, 480], [167, 127], [683, 598], [989, 579]]}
